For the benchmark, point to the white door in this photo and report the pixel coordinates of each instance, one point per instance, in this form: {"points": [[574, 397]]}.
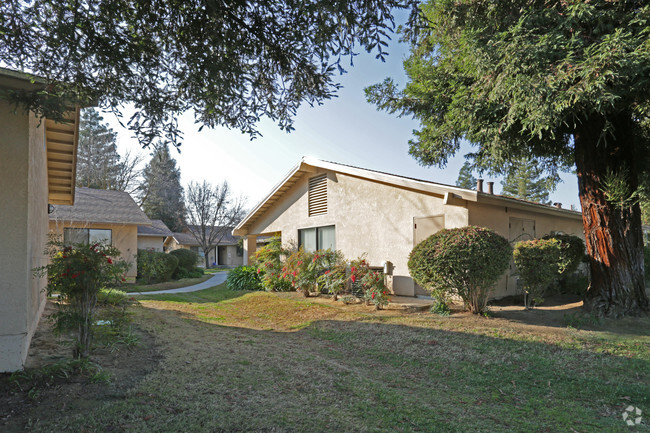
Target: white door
{"points": [[423, 227]]}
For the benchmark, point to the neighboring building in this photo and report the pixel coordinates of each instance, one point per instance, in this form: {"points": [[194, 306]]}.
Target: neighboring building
{"points": [[322, 205], [153, 237], [37, 167], [100, 215], [227, 253]]}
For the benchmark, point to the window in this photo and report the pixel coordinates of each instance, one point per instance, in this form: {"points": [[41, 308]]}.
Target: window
{"points": [[317, 195], [317, 238], [87, 236]]}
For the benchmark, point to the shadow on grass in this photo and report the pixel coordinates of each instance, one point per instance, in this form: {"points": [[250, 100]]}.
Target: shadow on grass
{"points": [[214, 294], [367, 375]]}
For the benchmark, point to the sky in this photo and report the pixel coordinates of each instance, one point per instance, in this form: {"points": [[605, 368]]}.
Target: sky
{"points": [[346, 129]]}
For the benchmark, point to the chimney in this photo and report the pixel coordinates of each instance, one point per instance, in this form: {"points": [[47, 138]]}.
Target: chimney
{"points": [[558, 205], [479, 185], [491, 188]]}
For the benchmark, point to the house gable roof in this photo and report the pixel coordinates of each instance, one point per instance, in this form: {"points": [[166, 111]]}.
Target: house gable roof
{"points": [[61, 139], [189, 239], [157, 228], [101, 206], [449, 192]]}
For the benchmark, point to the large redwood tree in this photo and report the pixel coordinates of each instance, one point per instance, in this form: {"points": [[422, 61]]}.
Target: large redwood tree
{"points": [[566, 82]]}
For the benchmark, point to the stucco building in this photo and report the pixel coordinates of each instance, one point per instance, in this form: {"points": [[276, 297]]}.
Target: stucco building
{"points": [[101, 215], [322, 205], [226, 254], [153, 237], [37, 167]]}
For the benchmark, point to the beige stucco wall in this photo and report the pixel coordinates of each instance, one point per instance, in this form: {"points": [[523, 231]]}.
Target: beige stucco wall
{"points": [[154, 243], [23, 213], [498, 218], [124, 238], [370, 217], [378, 219], [231, 259]]}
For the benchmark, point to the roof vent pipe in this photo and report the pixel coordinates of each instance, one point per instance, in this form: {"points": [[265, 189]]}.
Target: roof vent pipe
{"points": [[491, 188], [558, 205], [479, 185]]}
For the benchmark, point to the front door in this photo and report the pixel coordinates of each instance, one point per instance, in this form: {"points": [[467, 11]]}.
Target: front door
{"points": [[423, 227]]}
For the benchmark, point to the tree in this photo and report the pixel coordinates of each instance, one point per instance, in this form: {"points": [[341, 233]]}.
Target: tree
{"points": [[99, 165], [211, 213], [525, 181], [465, 178], [161, 190], [230, 62], [565, 82]]}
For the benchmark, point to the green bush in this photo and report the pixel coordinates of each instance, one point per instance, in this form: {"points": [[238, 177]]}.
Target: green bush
{"points": [[193, 273], [187, 260], [107, 296], [155, 267], [466, 261], [539, 263], [244, 278], [268, 260], [572, 253]]}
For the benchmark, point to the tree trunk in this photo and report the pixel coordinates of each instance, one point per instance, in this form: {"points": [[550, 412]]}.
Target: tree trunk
{"points": [[612, 232]]}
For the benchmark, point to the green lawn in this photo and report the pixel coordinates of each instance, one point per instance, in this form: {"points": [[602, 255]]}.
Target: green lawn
{"points": [[183, 282], [240, 362]]}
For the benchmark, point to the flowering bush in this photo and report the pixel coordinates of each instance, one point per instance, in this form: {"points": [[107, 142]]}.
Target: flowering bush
{"points": [[375, 289], [302, 269], [268, 261], [334, 276], [358, 269], [78, 273]]}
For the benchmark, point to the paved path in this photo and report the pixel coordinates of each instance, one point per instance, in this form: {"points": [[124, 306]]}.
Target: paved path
{"points": [[217, 279]]}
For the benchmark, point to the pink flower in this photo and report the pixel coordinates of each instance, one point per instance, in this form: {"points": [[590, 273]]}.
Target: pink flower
{"points": [[259, 270], [294, 273]]}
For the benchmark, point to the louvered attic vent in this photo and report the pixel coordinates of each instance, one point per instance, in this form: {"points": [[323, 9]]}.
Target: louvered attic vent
{"points": [[318, 195]]}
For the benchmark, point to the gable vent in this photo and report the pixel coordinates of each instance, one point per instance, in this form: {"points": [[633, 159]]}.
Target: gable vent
{"points": [[318, 195]]}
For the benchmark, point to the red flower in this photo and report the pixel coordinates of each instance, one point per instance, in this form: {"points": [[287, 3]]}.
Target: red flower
{"points": [[352, 269], [123, 279], [353, 278], [327, 272], [314, 259], [299, 263], [373, 295], [293, 284], [259, 270], [294, 273], [110, 262], [383, 293]]}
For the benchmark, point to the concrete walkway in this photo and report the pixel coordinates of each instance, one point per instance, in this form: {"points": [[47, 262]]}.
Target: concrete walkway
{"points": [[217, 279]]}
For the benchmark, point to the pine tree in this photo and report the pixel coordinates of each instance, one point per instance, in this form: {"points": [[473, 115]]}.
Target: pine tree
{"points": [[97, 158], [525, 180], [99, 165], [465, 177], [161, 191]]}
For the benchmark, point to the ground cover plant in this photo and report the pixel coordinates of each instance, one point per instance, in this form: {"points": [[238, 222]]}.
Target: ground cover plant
{"points": [[263, 361]]}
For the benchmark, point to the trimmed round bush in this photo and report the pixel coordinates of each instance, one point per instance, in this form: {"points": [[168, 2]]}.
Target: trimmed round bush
{"points": [[572, 253], [466, 261], [538, 264], [186, 259], [170, 264], [244, 278]]}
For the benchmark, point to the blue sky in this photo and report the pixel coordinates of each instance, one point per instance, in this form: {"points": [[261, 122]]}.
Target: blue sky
{"points": [[345, 129]]}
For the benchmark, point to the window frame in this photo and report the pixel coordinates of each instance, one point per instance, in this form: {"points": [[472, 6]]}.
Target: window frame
{"points": [[316, 232], [87, 234]]}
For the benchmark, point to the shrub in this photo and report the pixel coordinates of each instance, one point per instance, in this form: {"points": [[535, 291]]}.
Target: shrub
{"points": [[375, 289], [571, 255], [538, 263], [302, 270], [192, 273], [154, 266], [187, 260], [268, 261], [334, 276], [466, 261], [114, 297], [244, 278], [78, 273]]}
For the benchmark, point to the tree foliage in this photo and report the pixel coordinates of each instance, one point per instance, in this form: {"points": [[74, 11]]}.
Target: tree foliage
{"points": [[564, 82], [526, 181], [229, 62], [99, 165], [465, 177], [161, 190], [212, 212]]}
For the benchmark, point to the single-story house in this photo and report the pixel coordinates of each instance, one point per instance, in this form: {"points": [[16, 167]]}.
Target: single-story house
{"points": [[101, 216], [227, 253], [37, 167], [153, 237], [321, 205]]}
